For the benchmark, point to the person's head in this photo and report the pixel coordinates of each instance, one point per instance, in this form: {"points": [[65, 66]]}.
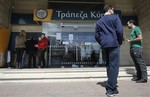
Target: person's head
{"points": [[131, 23], [22, 33], [82, 43], [109, 9], [43, 35]]}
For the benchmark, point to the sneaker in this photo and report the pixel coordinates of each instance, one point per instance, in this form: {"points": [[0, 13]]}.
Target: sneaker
{"points": [[115, 93]]}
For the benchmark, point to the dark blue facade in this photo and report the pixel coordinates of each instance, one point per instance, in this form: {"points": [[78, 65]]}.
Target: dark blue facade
{"points": [[22, 19]]}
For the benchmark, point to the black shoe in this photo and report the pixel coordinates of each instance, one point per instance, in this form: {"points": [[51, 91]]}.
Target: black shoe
{"points": [[115, 93], [142, 81], [135, 79]]}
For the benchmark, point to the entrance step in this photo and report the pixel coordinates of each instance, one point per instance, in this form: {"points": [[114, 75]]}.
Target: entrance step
{"points": [[63, 74]]}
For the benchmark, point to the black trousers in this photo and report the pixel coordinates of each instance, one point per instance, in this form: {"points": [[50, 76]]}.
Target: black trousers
{"points": [[140, 66], [32, 59], [19, 52], [41, 58]]}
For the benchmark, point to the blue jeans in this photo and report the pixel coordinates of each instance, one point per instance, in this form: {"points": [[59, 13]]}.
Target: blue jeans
{"points": [[112, 56], [140, 66]]}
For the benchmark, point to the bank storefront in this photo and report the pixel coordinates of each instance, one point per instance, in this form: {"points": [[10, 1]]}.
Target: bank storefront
{"points": [[71, 34], [67, 23]]}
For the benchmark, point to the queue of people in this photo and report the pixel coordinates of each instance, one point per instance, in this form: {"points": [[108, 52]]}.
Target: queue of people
{"points": [[109, 35], [34, 48]]}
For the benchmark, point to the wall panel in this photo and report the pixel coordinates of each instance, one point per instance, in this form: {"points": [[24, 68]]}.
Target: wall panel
{"points": [[144, 23], [27, 6]]}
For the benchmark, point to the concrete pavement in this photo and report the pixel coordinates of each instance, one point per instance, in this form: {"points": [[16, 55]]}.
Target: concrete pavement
{"points": [[73, 82], [127, 88]]}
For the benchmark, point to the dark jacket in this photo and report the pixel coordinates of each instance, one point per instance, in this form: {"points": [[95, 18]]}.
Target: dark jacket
{"points": [[30, 45], [109, 31]]}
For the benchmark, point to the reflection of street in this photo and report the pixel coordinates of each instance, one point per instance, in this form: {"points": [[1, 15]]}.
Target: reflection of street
{"points": [[83, 52], [69, 55]]}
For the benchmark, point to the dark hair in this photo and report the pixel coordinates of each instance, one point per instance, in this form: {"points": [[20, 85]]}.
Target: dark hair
{"points": [[132, 21], [22, 30], [107, 7], [43, 33]]}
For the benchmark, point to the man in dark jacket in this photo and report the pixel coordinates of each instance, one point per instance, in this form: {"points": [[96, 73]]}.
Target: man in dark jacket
{"points": [[31, 50], [109, 34]]}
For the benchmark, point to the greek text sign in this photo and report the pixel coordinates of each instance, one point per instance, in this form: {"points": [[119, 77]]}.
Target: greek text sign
{"points": [[78, 14]]}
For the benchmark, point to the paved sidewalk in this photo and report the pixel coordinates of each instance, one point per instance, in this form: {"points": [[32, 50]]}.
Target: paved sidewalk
{"points": [[127, 88]]}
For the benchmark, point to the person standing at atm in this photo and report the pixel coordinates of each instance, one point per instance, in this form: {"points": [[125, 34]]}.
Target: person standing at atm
{"points": [[42, 47], [20, 49]]}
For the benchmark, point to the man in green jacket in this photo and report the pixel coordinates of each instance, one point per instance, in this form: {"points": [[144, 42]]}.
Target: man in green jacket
{"points": [[136, 52]]}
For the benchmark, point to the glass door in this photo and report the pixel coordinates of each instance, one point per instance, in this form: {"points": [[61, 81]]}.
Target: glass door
{"points": [[72, 45]]}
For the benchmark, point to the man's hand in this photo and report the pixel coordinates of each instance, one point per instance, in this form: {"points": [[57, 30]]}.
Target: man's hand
{"points": [[128, 40], [36, 45]]}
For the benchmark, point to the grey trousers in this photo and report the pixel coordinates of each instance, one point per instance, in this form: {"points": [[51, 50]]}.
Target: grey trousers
{"points": [[140, 66]]}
